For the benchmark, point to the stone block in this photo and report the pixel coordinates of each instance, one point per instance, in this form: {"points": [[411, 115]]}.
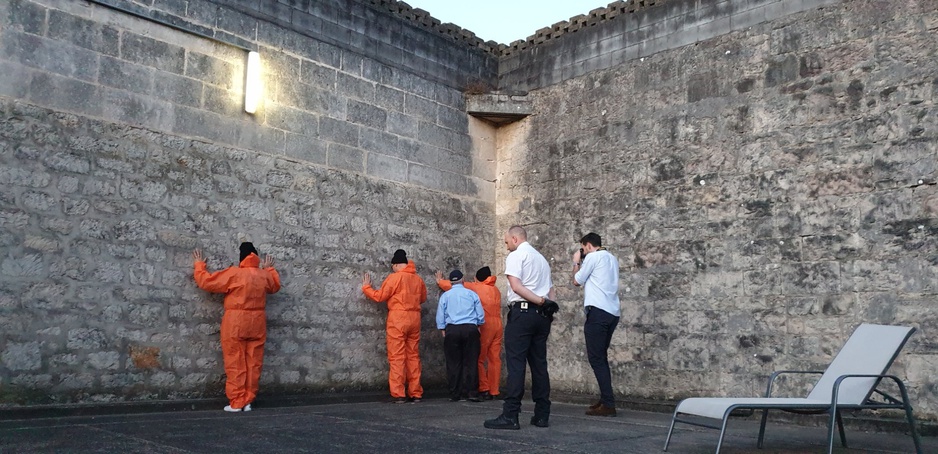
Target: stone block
{"points": [[150, 52], [86, 339], [292, 120], [329, 54], [341, 132], [351, 63], [27, 16], [127, 76], [200, 123], [84, 33], [318, 75], [433, 178], [420, 107], [277, 11], [353, 87], [345, 157], [130, 108], [177, 89], [15, 80], [386, 167], [366, 115], [402, 124], [228, 103], [104, 360], [48, 55], [236, 23], [306, 148], [22, 356]]}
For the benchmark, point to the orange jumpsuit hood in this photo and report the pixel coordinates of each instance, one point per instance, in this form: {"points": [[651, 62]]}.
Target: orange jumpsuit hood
{"points": [[404, 290], [251, 261]]}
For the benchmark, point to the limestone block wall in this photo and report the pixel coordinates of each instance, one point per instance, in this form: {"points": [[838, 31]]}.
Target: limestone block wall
{"points": [[627, 30], [766, 191], [123, 146]]}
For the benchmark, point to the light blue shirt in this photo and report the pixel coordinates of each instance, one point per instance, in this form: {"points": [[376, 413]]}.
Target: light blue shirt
{"points": [[599, 276], [458, 306]]}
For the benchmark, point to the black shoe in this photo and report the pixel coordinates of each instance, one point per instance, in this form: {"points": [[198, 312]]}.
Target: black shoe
{"points": [[539, 422], [399, 400], [415, 400], [502, 422], [474, 399], [485, 395]]}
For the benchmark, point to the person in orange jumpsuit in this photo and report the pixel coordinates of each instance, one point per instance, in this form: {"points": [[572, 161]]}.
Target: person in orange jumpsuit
{"points": [[244, 325], [490, 359], [404, 292]]}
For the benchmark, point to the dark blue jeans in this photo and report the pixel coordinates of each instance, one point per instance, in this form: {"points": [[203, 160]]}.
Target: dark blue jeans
{"points": [[526, 344], [598, 331]]}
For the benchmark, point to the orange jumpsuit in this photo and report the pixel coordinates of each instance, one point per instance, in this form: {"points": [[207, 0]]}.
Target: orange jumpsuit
{"points": [[244, 325], [405, 292], [490, 332]]}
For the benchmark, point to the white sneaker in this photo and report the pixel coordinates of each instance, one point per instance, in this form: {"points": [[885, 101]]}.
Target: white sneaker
{"points": [[247, 407], [228, 408]]}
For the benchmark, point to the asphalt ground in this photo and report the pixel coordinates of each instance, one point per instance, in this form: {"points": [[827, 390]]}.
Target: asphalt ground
{"points": [[370, 424]]}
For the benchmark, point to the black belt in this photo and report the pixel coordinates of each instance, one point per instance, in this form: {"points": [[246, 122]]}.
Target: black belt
{"points": [[526, 305]]}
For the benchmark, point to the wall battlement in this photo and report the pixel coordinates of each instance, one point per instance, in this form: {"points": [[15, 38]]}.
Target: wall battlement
{"points": [[595, 17]]}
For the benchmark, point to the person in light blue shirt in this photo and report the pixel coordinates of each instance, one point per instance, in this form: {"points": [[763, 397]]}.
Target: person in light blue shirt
{"points": [[458, 317], [597, 270]]}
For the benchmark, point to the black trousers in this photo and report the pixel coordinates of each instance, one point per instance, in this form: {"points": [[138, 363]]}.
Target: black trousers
{"points": [[598, 331], [461, 348], [526, 344]]}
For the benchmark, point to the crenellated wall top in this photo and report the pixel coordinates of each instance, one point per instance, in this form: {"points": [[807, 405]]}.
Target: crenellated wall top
{"points": [[574, 24]]}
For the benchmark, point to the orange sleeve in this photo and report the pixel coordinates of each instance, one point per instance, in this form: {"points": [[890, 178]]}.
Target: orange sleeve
{"points": [[444, 284], [423, 291], [216, 282], [273, 283], [387, 289]]}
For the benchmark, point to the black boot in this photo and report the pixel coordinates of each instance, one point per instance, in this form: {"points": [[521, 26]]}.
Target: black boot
{"points": [[503, 422], [539, 421]]}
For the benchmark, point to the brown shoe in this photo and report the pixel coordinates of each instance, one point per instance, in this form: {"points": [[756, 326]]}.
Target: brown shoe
{"points": [[596, 405], [602, 410]]}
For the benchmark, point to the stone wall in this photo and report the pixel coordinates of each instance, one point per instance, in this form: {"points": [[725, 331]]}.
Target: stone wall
{"points": [[123, 146], [625, 31], [766, 191], [768, 184]]}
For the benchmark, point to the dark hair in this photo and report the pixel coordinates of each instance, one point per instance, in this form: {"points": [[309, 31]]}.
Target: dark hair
{"points": [[247, 249], [592, 238], [399, 257]]}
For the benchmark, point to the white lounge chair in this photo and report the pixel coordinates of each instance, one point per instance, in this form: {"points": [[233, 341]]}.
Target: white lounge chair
{"points": [[849, 382]]}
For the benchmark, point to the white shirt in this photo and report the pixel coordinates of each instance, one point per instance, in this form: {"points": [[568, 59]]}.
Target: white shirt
{"points": [[531, 268], [599, 276]]}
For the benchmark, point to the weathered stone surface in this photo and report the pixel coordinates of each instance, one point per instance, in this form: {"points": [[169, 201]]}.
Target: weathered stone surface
{"points": [[765, 189], [763, 201], [22, 357], [128, 265]]}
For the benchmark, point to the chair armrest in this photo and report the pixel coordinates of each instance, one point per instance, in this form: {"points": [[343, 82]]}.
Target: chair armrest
{"points": [[776, 374], [897, 380]]}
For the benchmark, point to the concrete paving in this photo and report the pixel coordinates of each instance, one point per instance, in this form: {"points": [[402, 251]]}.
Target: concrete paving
{"points": [[434, 425]]}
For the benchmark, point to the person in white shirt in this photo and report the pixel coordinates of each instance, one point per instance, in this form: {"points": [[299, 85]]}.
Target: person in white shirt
{"points": [[597, 270], [529, 319]]}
